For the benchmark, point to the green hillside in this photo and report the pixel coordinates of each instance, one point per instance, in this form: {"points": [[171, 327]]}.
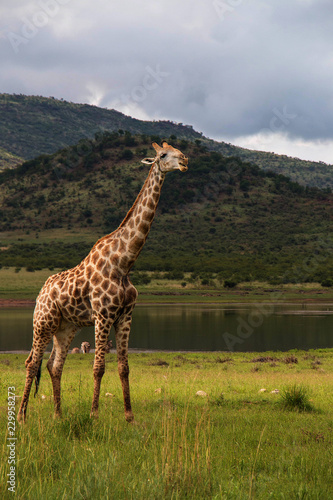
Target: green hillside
{"points": [[34, 125], [307, 173], [9, 160], [222, 216]]}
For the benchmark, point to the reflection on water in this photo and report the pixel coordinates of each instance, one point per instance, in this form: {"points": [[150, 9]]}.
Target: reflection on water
{"points": [[259, 327]]}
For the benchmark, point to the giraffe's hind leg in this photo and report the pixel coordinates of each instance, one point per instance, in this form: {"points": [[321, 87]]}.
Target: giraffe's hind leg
{"points": [[61, 342], [32, 365], [46, 322]]}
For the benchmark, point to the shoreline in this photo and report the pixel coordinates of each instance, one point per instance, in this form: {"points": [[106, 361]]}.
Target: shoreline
{"points": [[138, 350], [30, 303], [7, 303]]}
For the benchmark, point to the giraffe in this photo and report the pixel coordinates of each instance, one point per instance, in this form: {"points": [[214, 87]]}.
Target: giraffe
{"points": [[85, 347], [98, 292]]}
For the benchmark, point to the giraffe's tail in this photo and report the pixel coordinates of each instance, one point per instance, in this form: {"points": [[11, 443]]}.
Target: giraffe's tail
{"points": [[37, 378]]}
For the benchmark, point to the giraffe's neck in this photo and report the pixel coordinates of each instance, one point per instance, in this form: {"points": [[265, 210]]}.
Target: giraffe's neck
{"points": [[134, 229]]}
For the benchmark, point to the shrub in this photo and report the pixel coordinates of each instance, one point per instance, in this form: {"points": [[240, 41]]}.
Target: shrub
{"points": [[140, 278], [127, 154], [290, 359], [230, 283], [296, 398], [244, 185], [175, 275], [328, 282]]}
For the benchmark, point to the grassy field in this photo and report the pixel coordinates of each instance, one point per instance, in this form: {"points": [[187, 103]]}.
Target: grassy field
{"points": [[234, 443], [21, 284]]}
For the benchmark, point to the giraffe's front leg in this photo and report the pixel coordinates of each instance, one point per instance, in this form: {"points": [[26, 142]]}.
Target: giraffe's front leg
{"points": [[102, 329], [123, 327]]}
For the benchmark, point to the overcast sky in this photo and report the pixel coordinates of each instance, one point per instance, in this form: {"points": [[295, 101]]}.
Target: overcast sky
{"points": [[255, 73]]}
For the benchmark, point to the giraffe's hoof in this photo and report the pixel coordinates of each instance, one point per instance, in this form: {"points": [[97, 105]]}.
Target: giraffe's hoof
{"points": [[129, 417], [21, 418], [94, 414]]}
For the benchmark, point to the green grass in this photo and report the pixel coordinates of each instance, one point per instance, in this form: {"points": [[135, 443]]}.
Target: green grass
{"points": [[51, 235], [22, 284], [236, 443]]}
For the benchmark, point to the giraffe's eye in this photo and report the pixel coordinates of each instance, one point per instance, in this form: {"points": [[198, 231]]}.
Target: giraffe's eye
{"points": [[164, 155]]}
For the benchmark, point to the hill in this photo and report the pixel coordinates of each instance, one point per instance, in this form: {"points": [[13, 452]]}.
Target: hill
{"points": [[10, 160], [223, 215], [35, 125], [307, 173]]}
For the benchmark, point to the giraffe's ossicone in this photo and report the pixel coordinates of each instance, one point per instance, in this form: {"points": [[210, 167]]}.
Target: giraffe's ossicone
{"points": [[98, 292]]}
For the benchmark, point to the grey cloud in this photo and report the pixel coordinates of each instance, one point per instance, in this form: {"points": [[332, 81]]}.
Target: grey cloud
{"points": [[228, 77]]}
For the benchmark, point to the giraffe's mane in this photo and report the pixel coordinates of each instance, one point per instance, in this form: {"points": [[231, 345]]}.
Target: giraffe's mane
{"points": [[131, 210]]}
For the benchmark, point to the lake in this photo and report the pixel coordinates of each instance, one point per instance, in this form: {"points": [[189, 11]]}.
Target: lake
{"points": [[259, 327]]}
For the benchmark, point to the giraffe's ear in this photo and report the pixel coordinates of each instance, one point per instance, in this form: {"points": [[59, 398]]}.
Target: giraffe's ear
{"points": [[156, 147], [148, 161]]}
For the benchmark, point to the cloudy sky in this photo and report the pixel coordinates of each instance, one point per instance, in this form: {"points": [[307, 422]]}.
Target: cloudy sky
{"points": [[251, 72]]}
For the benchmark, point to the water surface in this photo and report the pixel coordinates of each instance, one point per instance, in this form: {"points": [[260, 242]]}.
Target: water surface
{"points": [[201, 328]]}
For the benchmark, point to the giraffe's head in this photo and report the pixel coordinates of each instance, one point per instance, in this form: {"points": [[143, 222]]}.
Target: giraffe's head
{"points": [[168, 158]]}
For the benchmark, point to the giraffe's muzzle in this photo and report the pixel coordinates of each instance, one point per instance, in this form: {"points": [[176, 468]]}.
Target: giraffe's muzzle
{"points": [[183, 164]]}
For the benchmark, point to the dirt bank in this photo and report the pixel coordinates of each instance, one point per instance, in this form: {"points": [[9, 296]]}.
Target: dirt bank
{"points": [[4, 303]]}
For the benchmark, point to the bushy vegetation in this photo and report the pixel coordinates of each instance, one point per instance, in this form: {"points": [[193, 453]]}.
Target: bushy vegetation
{"points": [[41, 256], [222, 216]]}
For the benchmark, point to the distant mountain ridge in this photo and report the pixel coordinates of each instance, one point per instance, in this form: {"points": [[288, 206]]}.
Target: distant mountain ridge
{"points": [[35, 125], [55, 124]]}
